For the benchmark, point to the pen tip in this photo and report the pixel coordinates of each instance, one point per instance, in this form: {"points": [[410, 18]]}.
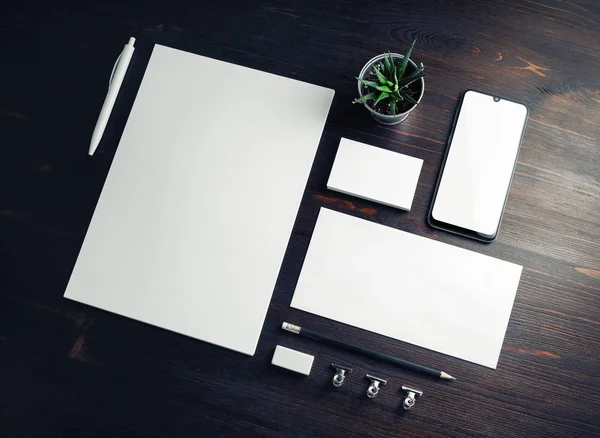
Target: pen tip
{"points": [[446, 376]]}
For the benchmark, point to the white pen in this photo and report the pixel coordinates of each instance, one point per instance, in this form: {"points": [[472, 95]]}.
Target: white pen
{"points": [[114, 85]]}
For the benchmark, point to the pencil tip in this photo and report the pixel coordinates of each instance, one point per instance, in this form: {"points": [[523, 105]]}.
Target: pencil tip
{"points": [[446, 376]]}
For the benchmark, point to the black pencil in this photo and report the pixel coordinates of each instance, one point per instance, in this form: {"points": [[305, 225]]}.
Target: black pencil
{"points": [[367, 352]]}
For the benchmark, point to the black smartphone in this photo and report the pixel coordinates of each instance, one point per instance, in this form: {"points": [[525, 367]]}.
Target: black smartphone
{"points": [[478, 166]]}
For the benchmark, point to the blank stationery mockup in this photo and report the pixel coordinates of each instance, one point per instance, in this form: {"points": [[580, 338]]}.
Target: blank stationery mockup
{"points": [[375, 174], [197, 209], [408, 287]]}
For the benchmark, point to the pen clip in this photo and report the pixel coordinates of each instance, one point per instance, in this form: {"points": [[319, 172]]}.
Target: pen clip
{"points": [[114, 68]]}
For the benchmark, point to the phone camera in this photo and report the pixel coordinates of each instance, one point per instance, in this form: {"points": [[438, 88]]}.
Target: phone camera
{"points": [[496, 99]]}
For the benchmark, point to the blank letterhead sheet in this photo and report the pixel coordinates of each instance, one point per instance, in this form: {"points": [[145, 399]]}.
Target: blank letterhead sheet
{"points": [[194, 218], [408, 287]]}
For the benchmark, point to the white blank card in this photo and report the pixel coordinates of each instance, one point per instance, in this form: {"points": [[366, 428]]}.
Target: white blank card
{"points": [[408, 287], [375, 174], [199, 204]]}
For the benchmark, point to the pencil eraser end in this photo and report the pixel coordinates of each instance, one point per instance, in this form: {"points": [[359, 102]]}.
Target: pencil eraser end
{"points": [[292, 360], [290, 327]]}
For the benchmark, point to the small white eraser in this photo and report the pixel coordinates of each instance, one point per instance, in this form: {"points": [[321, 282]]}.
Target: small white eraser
{"points": [[375, 174], [292, 360]]}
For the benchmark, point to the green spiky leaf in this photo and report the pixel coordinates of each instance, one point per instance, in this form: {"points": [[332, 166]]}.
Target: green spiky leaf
{"points": [[375, 85], [408, 97], [411, 78], [418, 72], [380, 76], [388, 64], [365, 98], [382, 96], [405, 60], [368, 83], [384, 88], [392, 72]]}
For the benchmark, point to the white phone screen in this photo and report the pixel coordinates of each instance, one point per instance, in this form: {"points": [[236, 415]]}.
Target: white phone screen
{"points": [[480, 162]]}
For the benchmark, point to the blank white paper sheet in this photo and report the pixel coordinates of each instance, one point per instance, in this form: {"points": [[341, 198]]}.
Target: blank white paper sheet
{"points": [[199, 204], [407, 287]]}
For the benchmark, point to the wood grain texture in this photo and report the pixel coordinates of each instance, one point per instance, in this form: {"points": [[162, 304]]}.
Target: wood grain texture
{"points": [[70, 370]]}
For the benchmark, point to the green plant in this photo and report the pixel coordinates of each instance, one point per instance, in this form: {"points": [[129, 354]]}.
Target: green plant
{"points": [[392, 82]]}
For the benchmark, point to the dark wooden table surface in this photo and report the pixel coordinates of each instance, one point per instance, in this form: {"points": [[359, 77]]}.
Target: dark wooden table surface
{"points": [[71, 370]]}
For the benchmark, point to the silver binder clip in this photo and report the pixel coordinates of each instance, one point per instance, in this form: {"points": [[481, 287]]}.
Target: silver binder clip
{"points": [[411, 395], [373, 389], [340, 374]]}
